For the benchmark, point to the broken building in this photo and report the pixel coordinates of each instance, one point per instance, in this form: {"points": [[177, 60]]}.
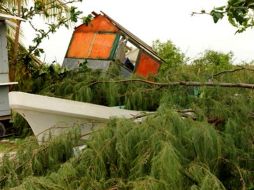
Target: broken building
{"points": [[103, 40]]}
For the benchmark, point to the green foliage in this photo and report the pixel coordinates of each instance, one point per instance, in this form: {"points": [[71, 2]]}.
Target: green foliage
{"points": [[238, 12], [74, 14], [32, 159], [165, 151], [57, 13], [87, 19], [169, 52], [209, 148], [21, 127], [214, 58], [217, 13]]}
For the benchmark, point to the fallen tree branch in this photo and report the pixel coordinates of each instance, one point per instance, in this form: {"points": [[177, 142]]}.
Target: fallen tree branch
{"points": [[180, 83], [240, 68], [227, 71], [246, 68]]}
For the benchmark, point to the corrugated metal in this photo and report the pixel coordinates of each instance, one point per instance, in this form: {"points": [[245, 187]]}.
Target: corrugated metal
{"points": [[147, 65], [4, 69], [4, 78], [4, 73], [8, 83], [92, 64], [4, 101], [5, 16]]}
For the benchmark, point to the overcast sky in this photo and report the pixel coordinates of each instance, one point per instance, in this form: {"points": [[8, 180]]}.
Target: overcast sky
{"points": [[164, 20]]}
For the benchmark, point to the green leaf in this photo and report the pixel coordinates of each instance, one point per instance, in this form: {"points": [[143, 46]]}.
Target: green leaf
{"points": [[216, 15], [220, 8]]}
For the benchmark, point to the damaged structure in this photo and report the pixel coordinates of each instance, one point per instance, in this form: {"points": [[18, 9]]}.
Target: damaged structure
{"points": [[103, 40], [5, 83]]}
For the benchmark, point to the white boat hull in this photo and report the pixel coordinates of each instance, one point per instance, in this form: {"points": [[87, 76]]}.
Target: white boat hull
{"points": [[51, 116]]}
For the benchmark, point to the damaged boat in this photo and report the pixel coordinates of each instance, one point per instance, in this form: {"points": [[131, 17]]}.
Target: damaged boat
{"points": [[49, 116]]}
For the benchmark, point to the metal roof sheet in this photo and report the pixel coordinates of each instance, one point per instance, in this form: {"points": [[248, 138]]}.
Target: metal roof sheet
{"points": [[6, 17]]}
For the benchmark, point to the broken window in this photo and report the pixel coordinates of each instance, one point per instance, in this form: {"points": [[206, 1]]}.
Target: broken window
{"points": [[127, 53]]}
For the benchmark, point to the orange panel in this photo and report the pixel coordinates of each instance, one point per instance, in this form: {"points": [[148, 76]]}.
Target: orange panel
{"points": [[102, 46], [147, 65], [99, 23], [80, 45]]}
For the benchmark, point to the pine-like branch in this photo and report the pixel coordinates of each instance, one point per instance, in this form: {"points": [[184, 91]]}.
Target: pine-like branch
{"points": [[180, 83]]}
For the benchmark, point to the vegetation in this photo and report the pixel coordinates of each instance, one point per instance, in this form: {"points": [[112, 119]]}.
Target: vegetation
{"points": [[57, 13], [170, 53], [198, 138], [238, 12]]}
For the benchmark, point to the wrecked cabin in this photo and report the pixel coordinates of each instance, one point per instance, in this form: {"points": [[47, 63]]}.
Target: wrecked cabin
{"points": [[103, 40]]}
